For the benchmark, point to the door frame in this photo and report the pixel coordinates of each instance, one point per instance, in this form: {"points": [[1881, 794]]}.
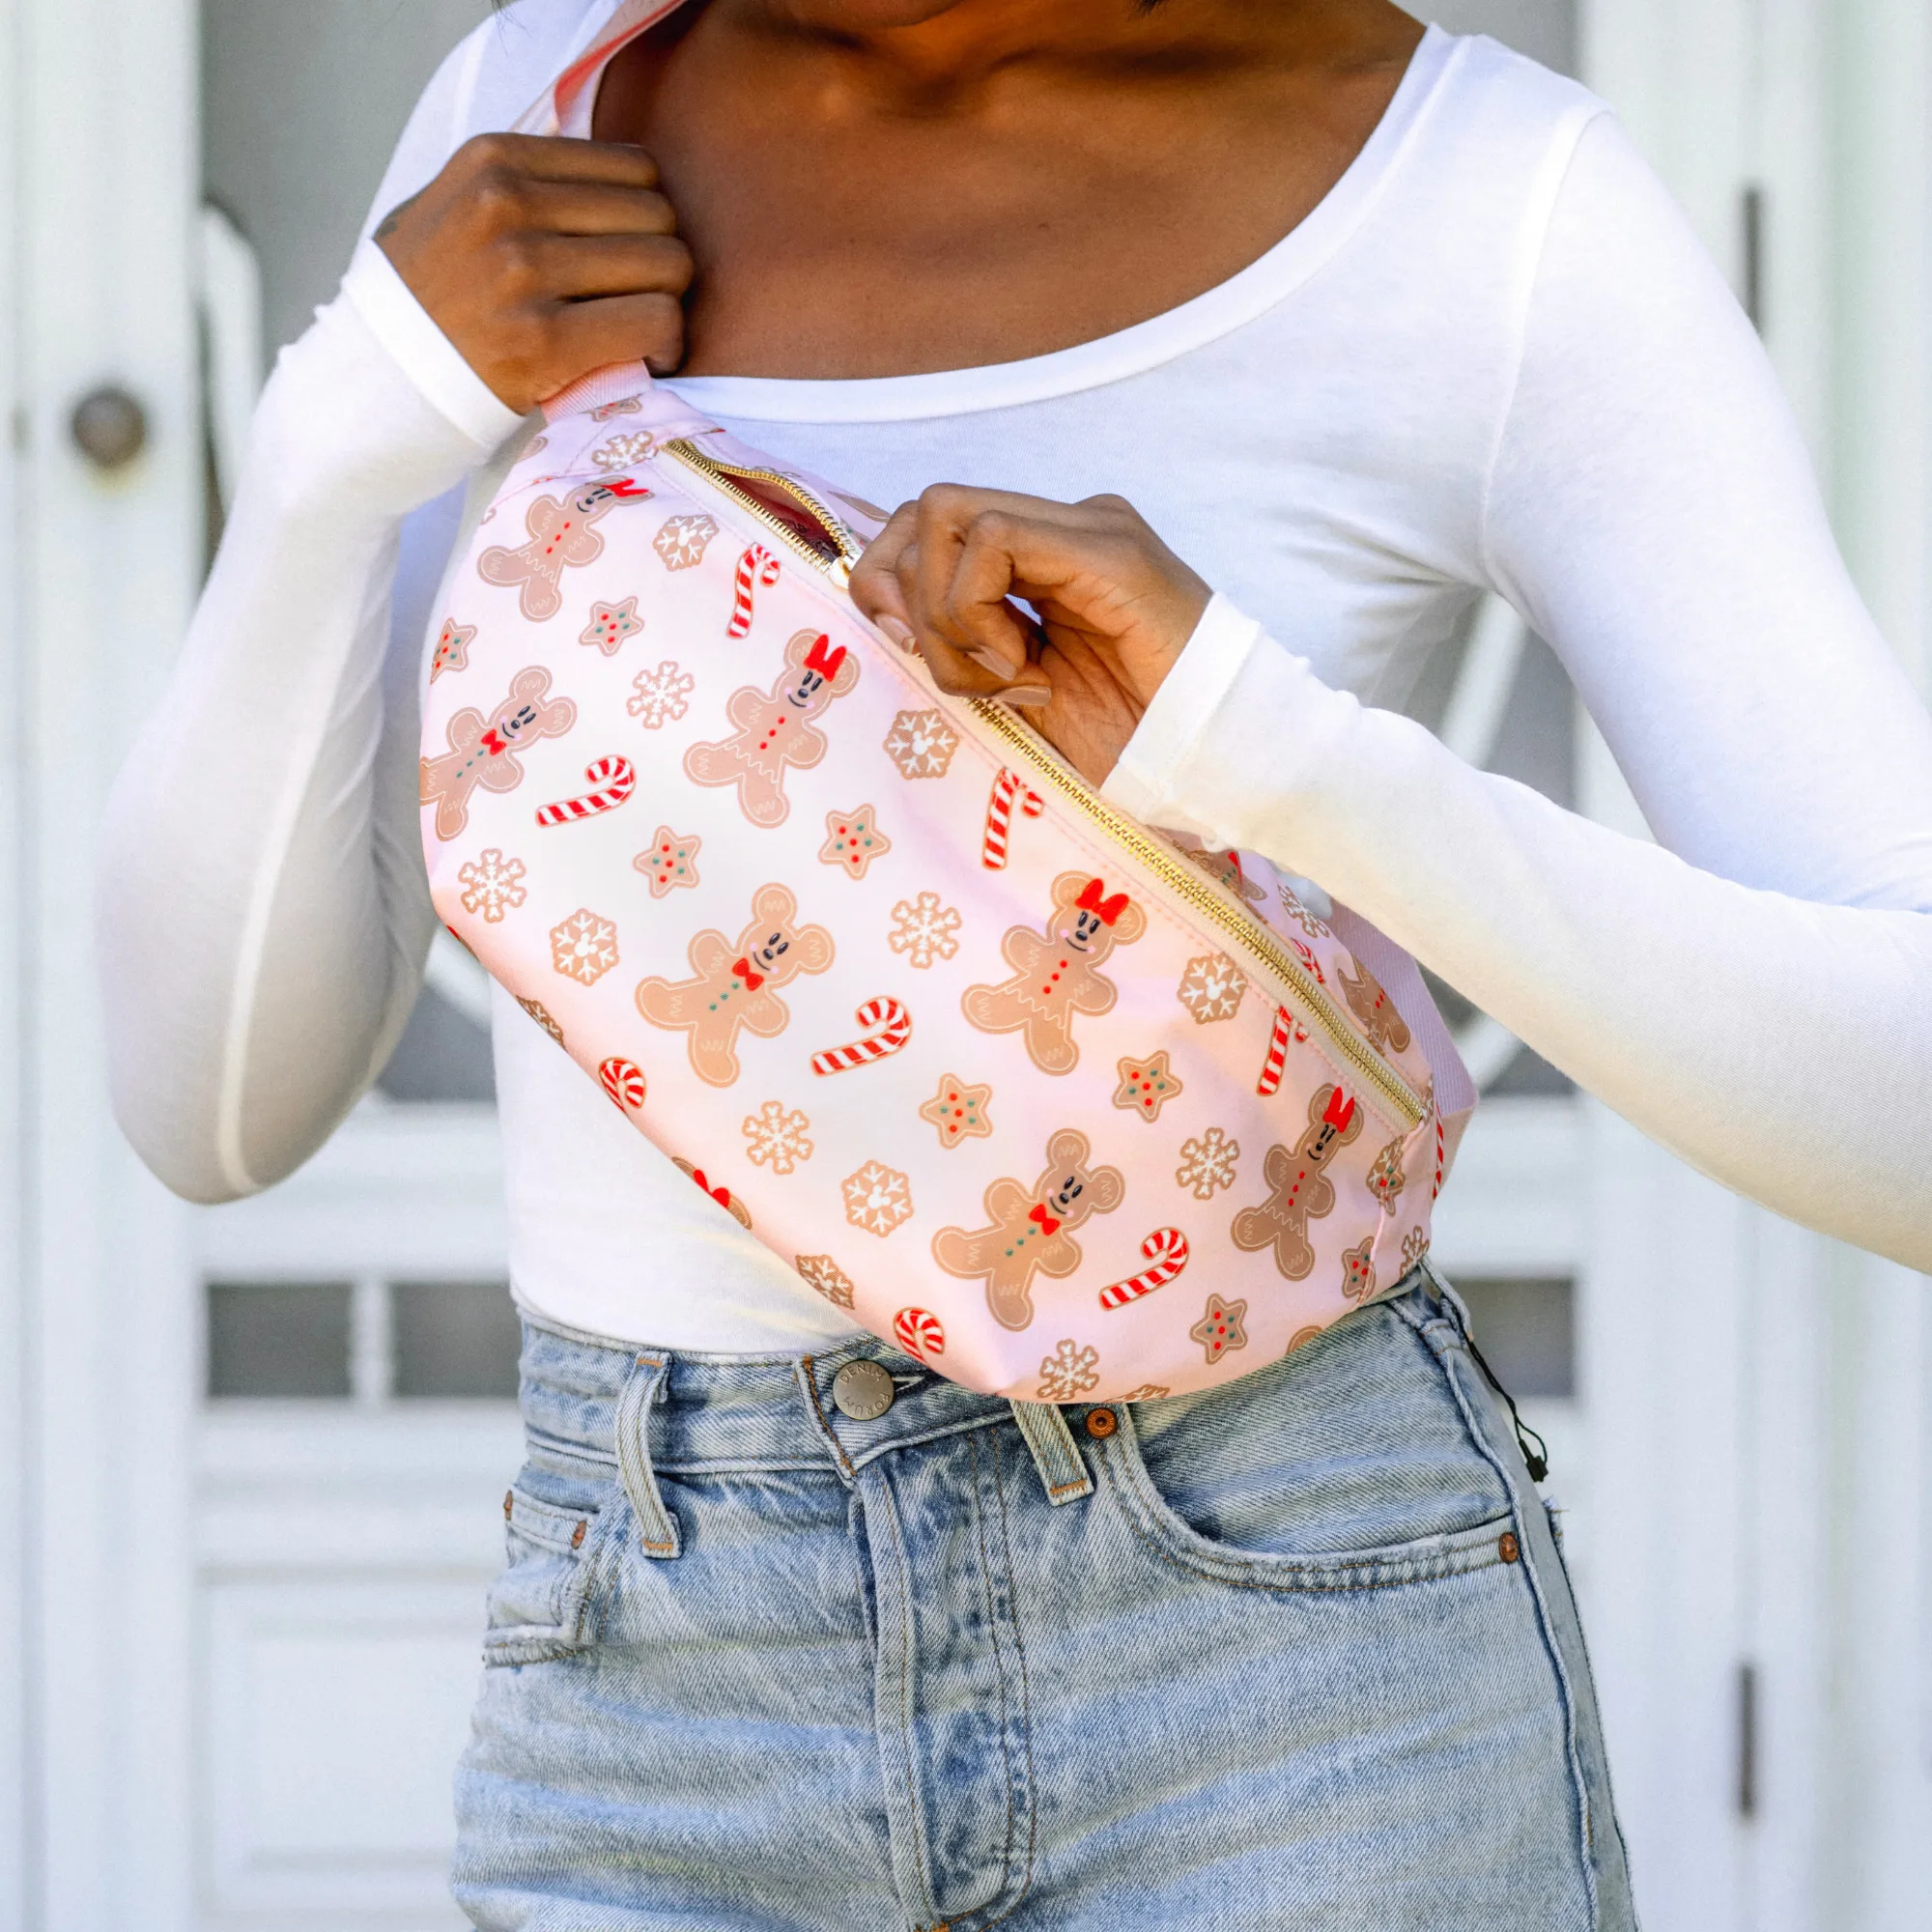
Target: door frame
{"points": [[99, 165]]}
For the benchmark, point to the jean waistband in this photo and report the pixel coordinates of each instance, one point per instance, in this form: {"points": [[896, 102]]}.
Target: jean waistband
{"points": [[770, 1411], [721, 1412]]}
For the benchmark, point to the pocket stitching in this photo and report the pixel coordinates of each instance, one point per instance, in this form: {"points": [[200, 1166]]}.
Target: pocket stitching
{"points": [[1450, 1554], [549, 1642]]}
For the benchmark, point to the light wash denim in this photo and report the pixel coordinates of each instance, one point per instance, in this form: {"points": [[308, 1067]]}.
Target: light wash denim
{"points": [[1297, 1653]]}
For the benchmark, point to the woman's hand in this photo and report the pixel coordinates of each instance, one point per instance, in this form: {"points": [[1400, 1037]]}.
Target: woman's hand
{"points": [[542, 260], [1116, 607]]}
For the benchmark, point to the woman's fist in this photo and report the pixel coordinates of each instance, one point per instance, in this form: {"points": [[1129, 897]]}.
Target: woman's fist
{"points": [[542, 260], [1115, 605]]}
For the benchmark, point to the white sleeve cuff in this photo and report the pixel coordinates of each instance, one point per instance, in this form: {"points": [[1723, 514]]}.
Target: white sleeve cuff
{"points": [[426, 355], [1187, 699]]}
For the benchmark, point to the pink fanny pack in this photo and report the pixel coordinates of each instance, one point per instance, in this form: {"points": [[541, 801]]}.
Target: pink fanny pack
{"points": [[1063, 1109]]}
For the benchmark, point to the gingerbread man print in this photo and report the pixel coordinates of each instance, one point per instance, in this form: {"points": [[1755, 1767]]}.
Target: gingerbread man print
{"points": [[483, 751], [1057, 973], [775, 728], [1299, 1188], [561, 535], [1030, 1230], [1373, 1009], [735, 983]]}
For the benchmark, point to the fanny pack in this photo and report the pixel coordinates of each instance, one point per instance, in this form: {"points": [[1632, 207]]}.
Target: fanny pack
{"points": [[1065, 1110]]}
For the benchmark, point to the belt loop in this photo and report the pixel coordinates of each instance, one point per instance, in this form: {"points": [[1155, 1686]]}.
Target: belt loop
{"points": [[657, 1530], [1043, 1424]]}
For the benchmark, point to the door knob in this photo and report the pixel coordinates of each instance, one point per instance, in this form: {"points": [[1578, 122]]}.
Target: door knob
{"points": [[110, 427]]}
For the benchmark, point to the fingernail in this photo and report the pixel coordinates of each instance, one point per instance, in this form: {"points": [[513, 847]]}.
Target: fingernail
{"points": [[989, 659], [900, 632], [1029, 693]]}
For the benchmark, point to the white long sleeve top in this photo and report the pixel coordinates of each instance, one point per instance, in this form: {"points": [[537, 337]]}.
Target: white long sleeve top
{"points": [[1493, 359]]}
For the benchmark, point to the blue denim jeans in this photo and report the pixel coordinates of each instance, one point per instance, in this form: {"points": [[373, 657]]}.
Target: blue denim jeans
{"points": [[1300, 1652]]}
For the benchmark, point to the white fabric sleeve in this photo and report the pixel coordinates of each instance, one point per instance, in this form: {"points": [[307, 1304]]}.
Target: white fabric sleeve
{"points": [[263, 915], [1755, 991]]}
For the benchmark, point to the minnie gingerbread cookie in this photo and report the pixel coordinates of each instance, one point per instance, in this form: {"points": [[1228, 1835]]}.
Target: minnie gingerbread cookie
{"points": [[1299, 1188], [560, 534], [1057, 973], [775, 728], [735, 983], [483, 751], [1032, 1229]]}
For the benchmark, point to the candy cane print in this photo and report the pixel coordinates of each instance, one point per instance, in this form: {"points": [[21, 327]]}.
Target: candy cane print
{"points": [[890, 1027], [1167, 1249], [624, 1081], [612, 781], [919, 1332], [757, 565], [1434, 1193], [1286, 1030], [1306, 955], [1009, 791]]}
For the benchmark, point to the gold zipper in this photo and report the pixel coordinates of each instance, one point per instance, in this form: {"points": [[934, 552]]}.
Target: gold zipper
{"points": [[1180, 878], [1203, 899], [723, 475]]}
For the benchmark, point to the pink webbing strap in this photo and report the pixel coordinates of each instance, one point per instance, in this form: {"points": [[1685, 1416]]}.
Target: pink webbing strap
{"points": [[557, 110]]}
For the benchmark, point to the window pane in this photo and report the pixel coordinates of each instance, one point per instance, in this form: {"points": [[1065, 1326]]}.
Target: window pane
{"points": [[455, 1338], [278, 1339], [1527, 1332], [441, 1056]]}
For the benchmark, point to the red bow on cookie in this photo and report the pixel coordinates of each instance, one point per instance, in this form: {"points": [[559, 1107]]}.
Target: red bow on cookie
{"points": [[743, 969], [1109, 910], [823, 661], [1047, 1224]]}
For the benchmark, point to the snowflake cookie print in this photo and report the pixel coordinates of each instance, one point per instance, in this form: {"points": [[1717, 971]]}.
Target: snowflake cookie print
{"points": [[670, 861], [683, 540], [777, 1137], [1069, 1373], [853, 840], [661, 697], [624, 452], [1147, 1392], [1211, 988], [959, 1110], [1147, 1086], [1221, 1327], [823, 1274], [583, 946], [924, 930], [1208, 1163], [491, 885], [610, 624], [922, 743], [877, 1198]]}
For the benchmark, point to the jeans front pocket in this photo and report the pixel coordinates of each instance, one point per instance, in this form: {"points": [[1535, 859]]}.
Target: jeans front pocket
{"points": [[543, 1605], [1349, 1464]]}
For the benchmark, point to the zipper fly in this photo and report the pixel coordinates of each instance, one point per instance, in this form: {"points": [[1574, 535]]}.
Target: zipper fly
{"points": [[1195, 891]]}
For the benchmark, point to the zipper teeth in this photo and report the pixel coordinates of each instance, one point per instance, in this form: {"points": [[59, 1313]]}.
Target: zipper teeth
{"points": [[1244, 930], [1182, 880], [718, 474]]}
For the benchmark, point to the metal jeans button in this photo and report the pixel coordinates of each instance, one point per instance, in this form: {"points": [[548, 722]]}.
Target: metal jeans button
{"points": [[863, 1390]]}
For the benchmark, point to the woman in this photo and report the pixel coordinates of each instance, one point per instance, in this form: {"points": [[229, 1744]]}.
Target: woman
{"points": [[1361, 320]]}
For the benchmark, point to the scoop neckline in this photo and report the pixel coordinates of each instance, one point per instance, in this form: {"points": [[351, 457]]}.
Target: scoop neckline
{"points": [[1218, 311]]}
